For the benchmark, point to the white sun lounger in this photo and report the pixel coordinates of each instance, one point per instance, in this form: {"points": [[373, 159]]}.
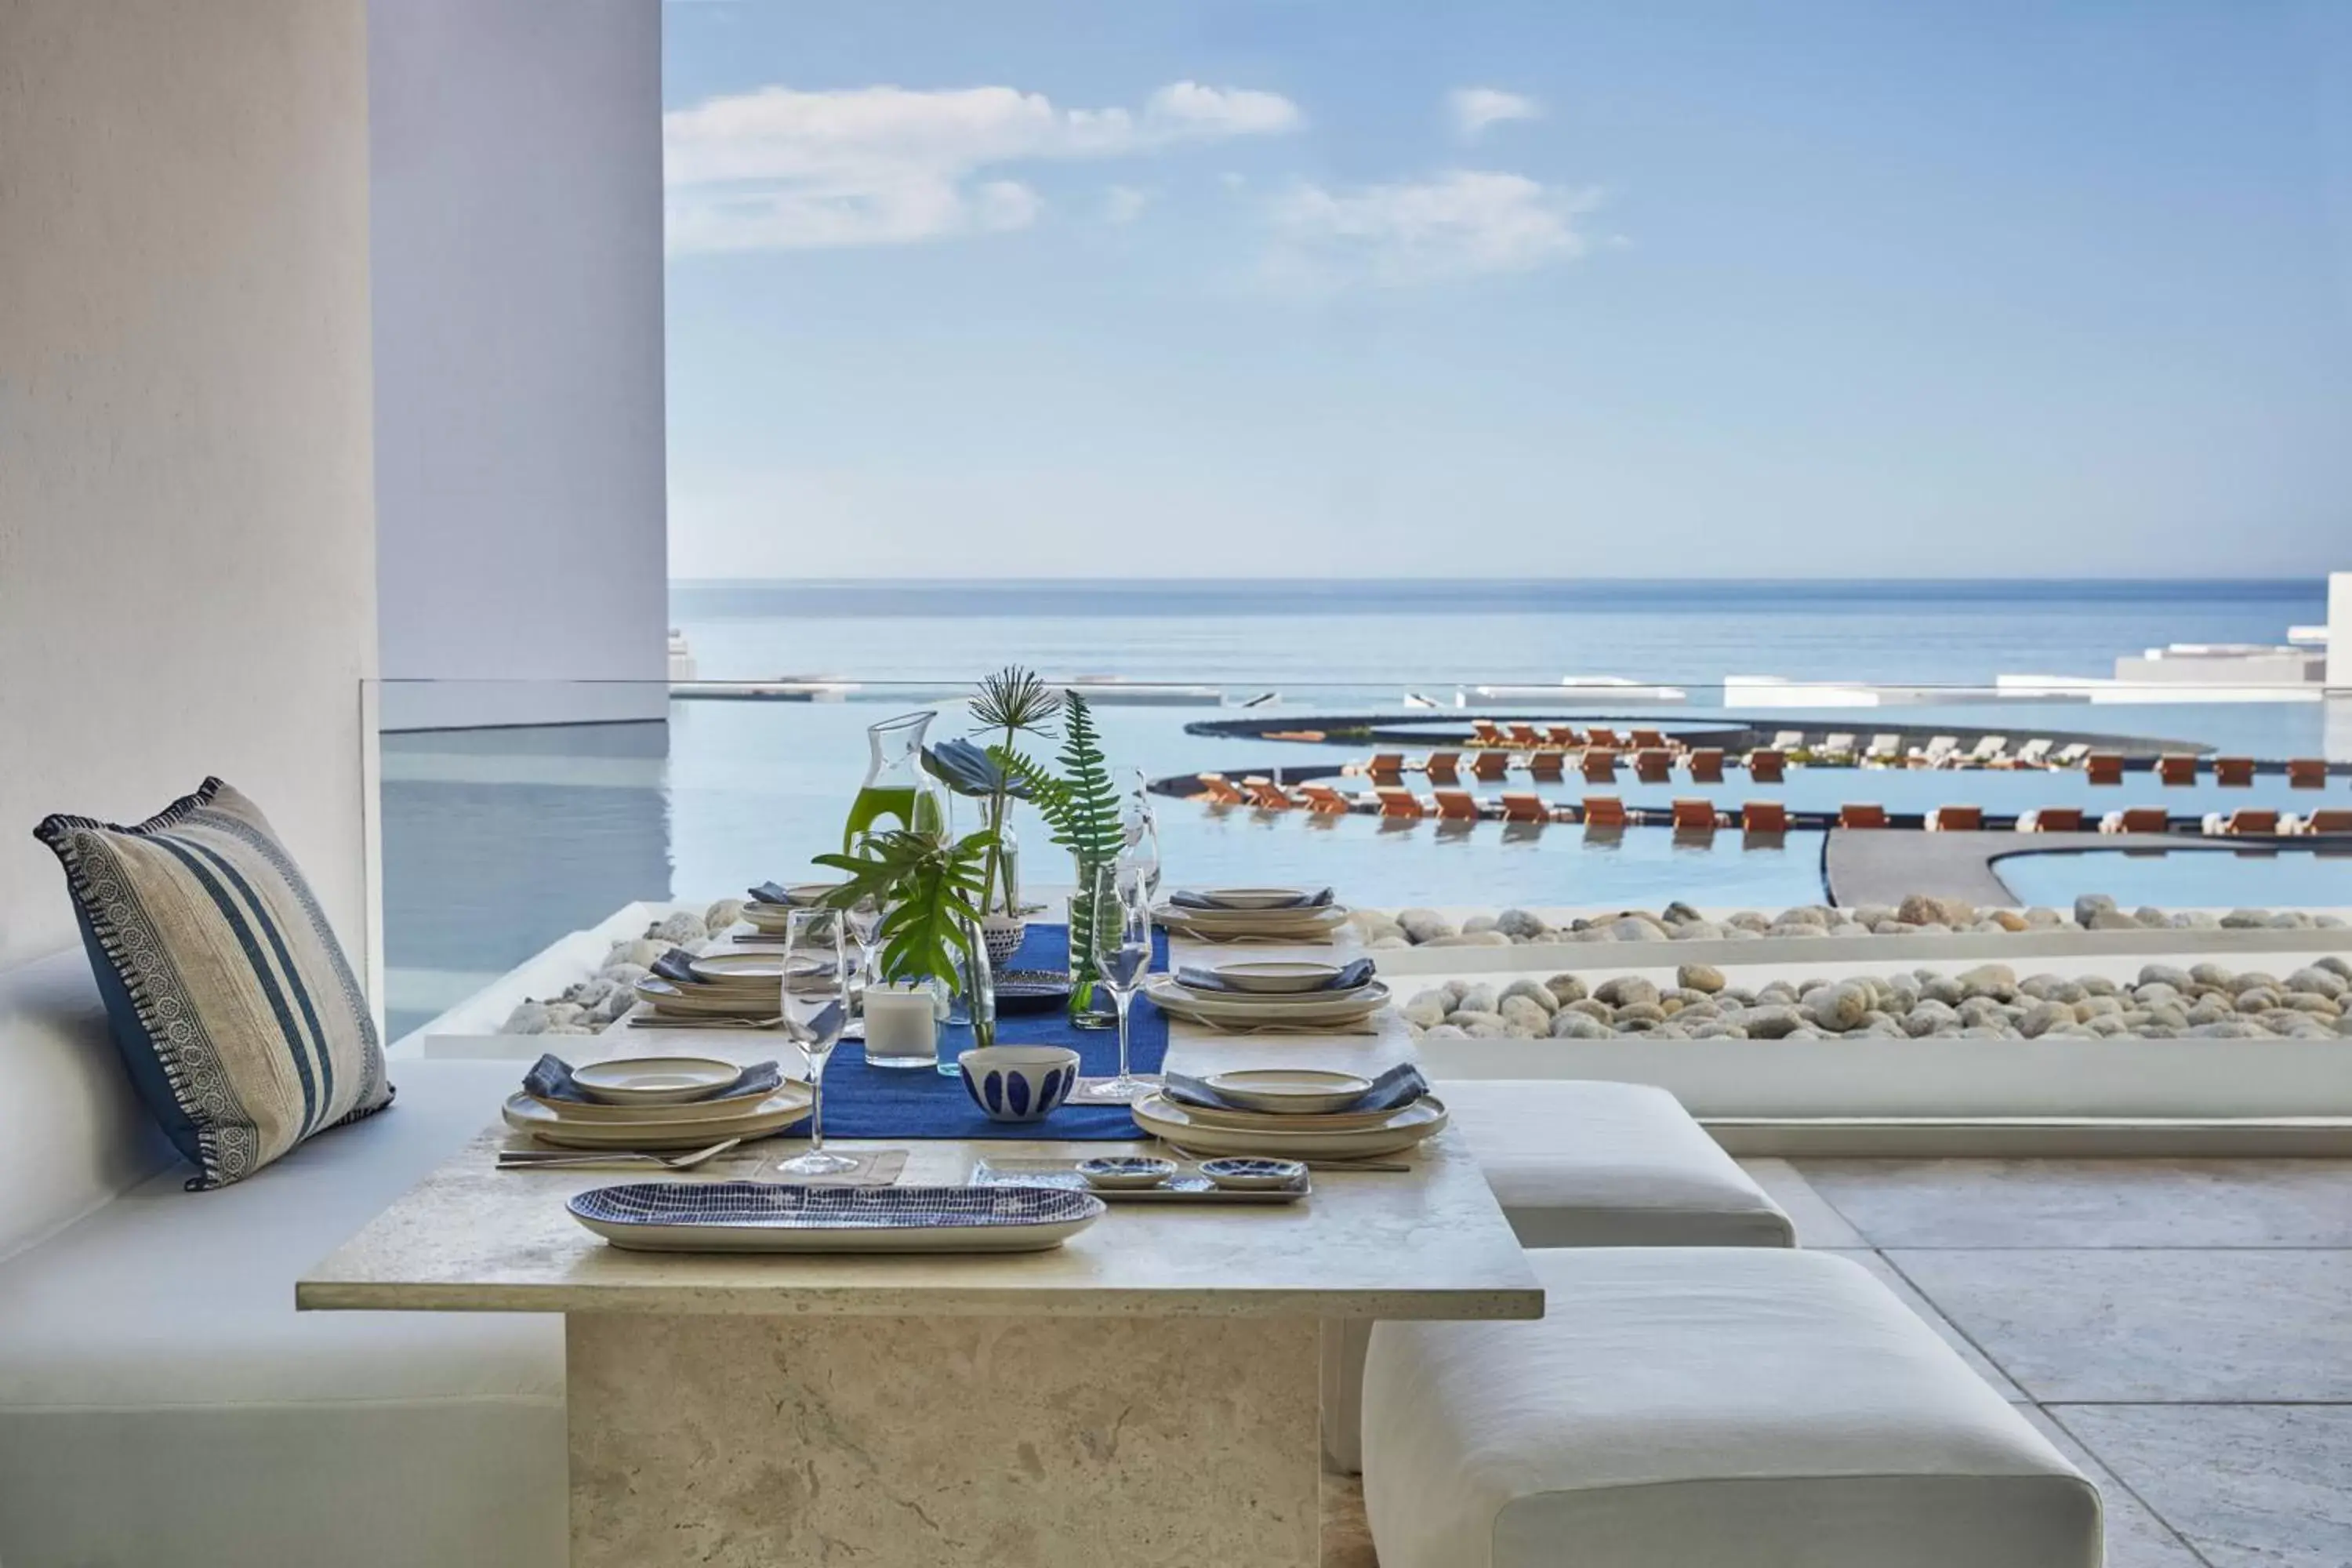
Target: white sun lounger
{"points": [[1885, 748], [1789, 741]]}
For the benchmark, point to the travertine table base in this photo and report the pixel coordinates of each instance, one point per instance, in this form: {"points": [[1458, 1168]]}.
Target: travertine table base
{"points": [[1046, 1442]]}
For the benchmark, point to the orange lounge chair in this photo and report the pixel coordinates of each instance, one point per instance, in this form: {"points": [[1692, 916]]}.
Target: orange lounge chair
{"points": [[1604, 811], [1443, 767], [1696, 816], [2104, 767], [1525, 805], [1654, 765], [2236, 772], [1489, 767], [1599, 765], [1764, 766], [1858, 816], [2137, 819], [1764, 819], [2052, 819], [1525, 737], [2173, 768], [1267, 794], [2332, 820], [1652, 739], [1956, 819], [1564, 736], [1400, 803], [1482, 732], [1322, 799], [1458, 806], [1606, 738], [1706, 765], [1547, 765], [2246, 821], [1218, 790], [1386, 767], [2307, 773]]}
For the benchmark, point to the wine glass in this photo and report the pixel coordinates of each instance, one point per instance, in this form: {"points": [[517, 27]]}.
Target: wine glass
{"points": [[1121, 920], [864, 922], [815, 1007], [1139, 840]]}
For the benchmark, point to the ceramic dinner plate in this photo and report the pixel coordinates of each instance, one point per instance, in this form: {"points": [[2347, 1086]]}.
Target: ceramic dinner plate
{"points": [[1278, 977], [1320, 918], [765, 1217], [1162, 1117], [759, 971], [708, 1002], [654, 1081], [777, 1111], [1300, 1011], [1291, 1091], [592, 1114], [1284, 898]]}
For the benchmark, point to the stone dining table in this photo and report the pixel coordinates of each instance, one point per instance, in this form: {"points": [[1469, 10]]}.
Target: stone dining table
{"points": [[1147, 1392]]}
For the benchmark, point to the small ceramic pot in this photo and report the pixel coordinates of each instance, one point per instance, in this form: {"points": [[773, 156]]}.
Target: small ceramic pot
{"points": [[1001, 935], [1018, 1083]]}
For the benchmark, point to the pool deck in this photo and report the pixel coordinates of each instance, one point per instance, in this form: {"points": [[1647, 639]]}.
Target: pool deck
{"points": [[1884, 865]]}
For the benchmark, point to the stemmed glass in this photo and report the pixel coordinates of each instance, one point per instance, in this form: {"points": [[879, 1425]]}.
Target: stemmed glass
{"points": [[864, 922], [1121, 915], [1139, 840], [815, 1007]]}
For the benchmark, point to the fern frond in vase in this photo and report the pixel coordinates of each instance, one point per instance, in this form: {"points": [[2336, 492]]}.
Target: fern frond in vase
{"points": [[1081, 806]]}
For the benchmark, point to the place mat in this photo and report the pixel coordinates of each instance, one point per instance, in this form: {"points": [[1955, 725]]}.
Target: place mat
{"points": [[866, 1101]]}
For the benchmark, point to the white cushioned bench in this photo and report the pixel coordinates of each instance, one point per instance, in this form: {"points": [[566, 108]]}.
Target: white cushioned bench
{"points": [[1705, 1408], [1578, 1163], [161, 1400]]}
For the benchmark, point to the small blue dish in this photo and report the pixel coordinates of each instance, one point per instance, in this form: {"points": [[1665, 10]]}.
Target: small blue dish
{"points": [[1018, 1083], [1252, 1175], [1125, 1171]]}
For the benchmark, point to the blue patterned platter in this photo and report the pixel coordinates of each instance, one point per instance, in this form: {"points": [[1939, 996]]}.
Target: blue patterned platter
{"points": [[764, 1216]]}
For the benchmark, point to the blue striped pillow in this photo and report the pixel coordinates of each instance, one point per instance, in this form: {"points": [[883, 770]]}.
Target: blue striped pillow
{"points": [[234, 1009]]}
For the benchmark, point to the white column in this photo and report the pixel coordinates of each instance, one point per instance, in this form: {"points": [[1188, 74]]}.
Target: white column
{"points": [[2339, 632]]}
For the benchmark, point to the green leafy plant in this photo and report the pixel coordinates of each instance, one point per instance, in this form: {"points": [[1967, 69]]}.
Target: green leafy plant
{"points": [[1081, 806], [1010, 703], [928, 888]]}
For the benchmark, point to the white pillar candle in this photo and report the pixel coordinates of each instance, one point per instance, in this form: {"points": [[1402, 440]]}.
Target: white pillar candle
{"points": [[900, 1024]]}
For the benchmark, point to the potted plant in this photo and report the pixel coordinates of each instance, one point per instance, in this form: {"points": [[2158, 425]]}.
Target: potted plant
{"points": [[928, 886]]}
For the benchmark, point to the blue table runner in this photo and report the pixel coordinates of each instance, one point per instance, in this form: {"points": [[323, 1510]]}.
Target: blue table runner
{"points": [[866, 1101]]}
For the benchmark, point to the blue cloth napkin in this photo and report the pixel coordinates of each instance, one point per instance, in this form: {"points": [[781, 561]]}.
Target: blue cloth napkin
{"points": [[769, 893], [1348, 978], [1393, 1091], [1185, 899], [550, 1077], [677, 966]]}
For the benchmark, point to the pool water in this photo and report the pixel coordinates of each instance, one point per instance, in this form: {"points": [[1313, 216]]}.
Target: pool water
{"points": [[2189, 876]]}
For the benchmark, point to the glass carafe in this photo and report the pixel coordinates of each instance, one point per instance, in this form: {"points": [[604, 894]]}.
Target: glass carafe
{"points": [[897, 783]]}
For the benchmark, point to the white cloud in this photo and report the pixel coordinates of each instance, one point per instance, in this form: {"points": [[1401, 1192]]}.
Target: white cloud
{"points": [[782, 169], [1124, 204], [1466, 223], [1473, 108]]}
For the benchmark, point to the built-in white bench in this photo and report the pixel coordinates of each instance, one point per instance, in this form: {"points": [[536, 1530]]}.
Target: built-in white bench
{"points": [[1576, 1162], [1705, 1408], [160, 1401]]}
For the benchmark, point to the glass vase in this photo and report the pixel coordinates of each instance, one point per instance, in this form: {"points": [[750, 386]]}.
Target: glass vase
{"points": [[1090, 1005], [898, 785], [970, 1022], [1004, 925]]}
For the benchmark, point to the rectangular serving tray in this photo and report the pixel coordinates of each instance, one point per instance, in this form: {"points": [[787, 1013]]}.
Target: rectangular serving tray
{"points": [[1186, 1186]]}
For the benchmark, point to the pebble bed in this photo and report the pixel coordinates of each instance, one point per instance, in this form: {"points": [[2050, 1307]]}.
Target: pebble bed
{"points": [[2206, 1000], [591, 1006], [1919, 913]]}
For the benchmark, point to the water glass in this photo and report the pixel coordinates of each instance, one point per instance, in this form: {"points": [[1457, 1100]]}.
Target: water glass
{"points": [[1121, 926], [1139, 839], [815, 1010]]}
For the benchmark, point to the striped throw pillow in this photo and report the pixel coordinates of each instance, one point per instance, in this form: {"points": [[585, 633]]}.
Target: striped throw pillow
{"points": [[236, 1011]]}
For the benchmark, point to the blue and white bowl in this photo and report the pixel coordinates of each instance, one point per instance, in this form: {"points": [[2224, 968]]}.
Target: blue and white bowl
{"points": [[1019, 1083]]}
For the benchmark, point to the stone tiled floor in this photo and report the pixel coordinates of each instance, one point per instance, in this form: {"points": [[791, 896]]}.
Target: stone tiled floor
{"points": [[2181, 1329]]}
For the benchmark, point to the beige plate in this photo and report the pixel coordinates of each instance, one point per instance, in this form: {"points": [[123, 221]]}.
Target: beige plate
{"points": [[1292, 1091], [757, 971], [1317, 918], [573, 1113], [1162, 1117], [1276, 976], [1285, 899], [774, 1114], [1294, 1011], [654, 1081], [711, 1002]]}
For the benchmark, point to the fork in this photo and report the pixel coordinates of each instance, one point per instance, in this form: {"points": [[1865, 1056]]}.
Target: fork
{"points": [[545, 1159]]}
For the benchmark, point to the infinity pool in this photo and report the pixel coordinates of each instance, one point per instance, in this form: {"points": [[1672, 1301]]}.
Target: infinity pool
{"points": [[2187, 876]]}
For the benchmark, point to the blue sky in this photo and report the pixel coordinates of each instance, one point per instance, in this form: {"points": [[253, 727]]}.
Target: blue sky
{"points": [[1385, 287]]}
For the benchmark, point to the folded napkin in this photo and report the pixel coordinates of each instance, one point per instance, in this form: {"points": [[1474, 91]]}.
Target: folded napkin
{"points": [[769, 893], [1348, 978], [550, 1077], [1392, 1090], [1184, 899], [677, 966]]}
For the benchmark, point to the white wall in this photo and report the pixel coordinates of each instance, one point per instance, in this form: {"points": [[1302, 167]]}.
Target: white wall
{"points": [[187, 557], [520, 486], [2339, 631]]}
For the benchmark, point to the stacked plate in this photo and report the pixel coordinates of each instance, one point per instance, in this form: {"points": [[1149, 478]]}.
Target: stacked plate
{"points": [[1253, 914], [1291, 1113], [1291, 995], [729, 985], [770, 916], [658, 1102]]}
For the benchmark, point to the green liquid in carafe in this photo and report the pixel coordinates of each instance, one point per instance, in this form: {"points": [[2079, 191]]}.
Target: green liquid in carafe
{"points": [[917, 809]]}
